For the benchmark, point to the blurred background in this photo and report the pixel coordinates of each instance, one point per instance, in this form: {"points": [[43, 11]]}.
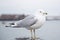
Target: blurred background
{"points": [[49, 31]]}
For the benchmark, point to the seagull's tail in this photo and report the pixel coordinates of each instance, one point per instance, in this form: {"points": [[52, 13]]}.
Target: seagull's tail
{"points": [[7, 26]]}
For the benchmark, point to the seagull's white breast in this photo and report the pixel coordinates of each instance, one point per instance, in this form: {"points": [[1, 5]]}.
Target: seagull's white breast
{"points": [[40, 21]]}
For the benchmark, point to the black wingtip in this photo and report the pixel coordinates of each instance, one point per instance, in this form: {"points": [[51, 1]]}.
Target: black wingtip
{"points": [[6, 26]]}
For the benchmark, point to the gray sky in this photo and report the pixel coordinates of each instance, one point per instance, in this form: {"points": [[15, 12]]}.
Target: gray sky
{"points": [[29, 6]]}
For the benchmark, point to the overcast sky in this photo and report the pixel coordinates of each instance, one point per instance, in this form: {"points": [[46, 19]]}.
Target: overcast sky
{"points": [[30, 6]]}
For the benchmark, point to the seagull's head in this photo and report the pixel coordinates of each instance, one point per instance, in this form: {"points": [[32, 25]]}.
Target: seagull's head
{"points": [[43, 13]]}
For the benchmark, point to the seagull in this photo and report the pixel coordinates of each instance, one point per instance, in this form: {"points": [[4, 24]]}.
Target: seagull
{"points": [[32, 22]]}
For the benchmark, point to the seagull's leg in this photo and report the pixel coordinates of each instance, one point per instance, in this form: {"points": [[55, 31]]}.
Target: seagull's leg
{"points": [[34, 34], [31, 35]]}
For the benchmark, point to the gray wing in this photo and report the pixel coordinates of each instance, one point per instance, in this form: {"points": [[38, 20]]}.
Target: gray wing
{"points": [[28, 21]]}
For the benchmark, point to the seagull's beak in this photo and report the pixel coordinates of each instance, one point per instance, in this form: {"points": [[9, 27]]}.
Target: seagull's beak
{"points": [[44, 13]]}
